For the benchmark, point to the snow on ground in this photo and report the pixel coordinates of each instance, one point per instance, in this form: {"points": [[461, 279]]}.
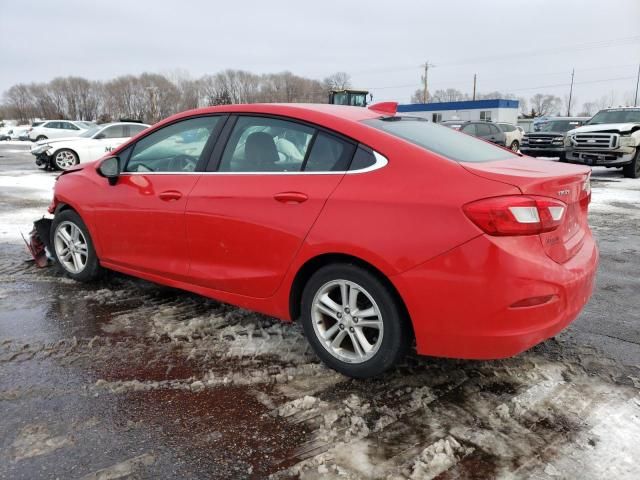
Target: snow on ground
{"points": [[15, 142], [28, 193]]}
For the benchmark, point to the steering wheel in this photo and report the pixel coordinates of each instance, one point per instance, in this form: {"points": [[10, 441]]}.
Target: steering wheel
{"points": [[182, 163]]}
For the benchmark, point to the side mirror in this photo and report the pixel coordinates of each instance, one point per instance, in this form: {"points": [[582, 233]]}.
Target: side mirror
{"points": [[110, 169]]}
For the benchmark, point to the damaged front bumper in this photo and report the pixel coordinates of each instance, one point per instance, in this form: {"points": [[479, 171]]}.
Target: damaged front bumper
{"points": [[43, 159], [39, 243]]}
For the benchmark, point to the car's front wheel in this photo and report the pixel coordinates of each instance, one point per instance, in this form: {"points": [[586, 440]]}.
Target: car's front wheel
{"points": [[515, 146], [64, 159], [632, 170], [73, 247], [39, 138], [353, 321]]}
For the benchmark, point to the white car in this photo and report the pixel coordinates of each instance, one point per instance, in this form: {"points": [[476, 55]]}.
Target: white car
{"points": [[513, 135], [16, 132], [64, 153], [58, 129]]}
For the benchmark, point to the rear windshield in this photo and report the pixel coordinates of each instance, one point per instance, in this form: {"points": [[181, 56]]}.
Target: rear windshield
{"points": [[441, 140]]}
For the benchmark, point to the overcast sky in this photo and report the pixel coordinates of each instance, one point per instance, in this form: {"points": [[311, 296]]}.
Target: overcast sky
{"points": [[521, 47]]}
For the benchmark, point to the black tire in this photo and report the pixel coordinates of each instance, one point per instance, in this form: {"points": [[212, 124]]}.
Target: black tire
{"points": [[92, 268], [632, 170], [64, 159], [515, 146], [396, 329], [39, 138], [562, 158]]}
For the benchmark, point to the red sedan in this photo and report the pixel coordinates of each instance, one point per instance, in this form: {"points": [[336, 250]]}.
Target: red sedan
{"points": [[372, 229]]}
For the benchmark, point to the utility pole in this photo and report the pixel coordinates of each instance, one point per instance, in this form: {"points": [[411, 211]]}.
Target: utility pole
{"points": [[425, 78], [570, 93], [474, 86], [635, 102]]}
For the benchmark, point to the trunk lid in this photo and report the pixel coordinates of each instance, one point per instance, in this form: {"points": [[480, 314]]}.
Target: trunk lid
{"points": [[564, 182]]}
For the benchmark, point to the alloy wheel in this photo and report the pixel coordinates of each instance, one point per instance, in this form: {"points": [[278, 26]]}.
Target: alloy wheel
{"points": [[65, 159], [347, 321], [71, 247]]}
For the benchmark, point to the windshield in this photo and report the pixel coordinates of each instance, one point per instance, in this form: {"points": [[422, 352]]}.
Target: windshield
{"points": [[558, 126], [91, 132], [441, 140], [626, 115]]}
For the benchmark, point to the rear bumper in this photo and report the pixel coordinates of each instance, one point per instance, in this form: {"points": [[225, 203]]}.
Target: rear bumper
{"points": [[461, 303]]}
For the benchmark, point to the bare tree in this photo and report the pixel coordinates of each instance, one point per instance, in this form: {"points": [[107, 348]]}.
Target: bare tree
{"points": [[448, 95], [337, 81], [523, 106], [542, 104], [418, 96], [19, 103], [588, 109]]}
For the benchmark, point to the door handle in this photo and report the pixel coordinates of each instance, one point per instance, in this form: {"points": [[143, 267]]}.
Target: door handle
{"points": [[291, 197], [170, 195]]}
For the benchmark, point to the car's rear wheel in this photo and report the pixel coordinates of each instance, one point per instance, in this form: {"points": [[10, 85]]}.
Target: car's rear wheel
{"points": [[73, 248], [39, 138], [64, 159], [632, 170], [353, 321], [515, 146]]}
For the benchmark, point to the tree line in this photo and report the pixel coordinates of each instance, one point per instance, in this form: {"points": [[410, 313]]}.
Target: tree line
{"points": [[150, 97]]}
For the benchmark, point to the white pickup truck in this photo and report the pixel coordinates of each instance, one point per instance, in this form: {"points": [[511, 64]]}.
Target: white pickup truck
{"points": [[610, 139]]}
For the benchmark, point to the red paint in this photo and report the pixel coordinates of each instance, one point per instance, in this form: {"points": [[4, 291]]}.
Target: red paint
{"points": [[243, 238]]}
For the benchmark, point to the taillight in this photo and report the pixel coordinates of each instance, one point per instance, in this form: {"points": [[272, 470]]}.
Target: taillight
{"points": [[585, 198], [516, 214]]}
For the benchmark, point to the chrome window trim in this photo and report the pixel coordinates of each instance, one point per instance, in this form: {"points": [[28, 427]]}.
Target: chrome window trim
{"points": [[381, 161]]}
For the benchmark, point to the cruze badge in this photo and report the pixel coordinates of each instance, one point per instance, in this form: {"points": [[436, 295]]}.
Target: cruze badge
{"points": [[563, 192]]}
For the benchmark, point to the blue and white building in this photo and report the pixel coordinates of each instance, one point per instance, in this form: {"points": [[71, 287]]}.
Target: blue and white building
{"points": [[495, 110]]}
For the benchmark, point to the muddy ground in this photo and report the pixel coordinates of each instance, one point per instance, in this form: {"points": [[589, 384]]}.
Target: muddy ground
{"points": [[127, 379]]}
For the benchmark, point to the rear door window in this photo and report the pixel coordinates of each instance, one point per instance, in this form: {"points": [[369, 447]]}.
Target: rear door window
{"points": [[483, 130], [265, 144], [469, 129], [329, 154], [68, 126]]}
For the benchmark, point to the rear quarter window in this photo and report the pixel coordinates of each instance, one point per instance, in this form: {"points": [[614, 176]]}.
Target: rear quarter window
{"points": [[441, 140]]}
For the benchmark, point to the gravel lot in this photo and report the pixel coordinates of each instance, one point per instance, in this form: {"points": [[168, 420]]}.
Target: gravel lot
{"points": [[125, 378]]}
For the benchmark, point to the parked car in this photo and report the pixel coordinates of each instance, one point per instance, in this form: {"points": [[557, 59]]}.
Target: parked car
{"points": [[25, 135], [5, 133], [58, 129], [370, 228], [65, 153], [611, 138], [513, 135], [548, 140], [485, 130], [18, 133]]}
